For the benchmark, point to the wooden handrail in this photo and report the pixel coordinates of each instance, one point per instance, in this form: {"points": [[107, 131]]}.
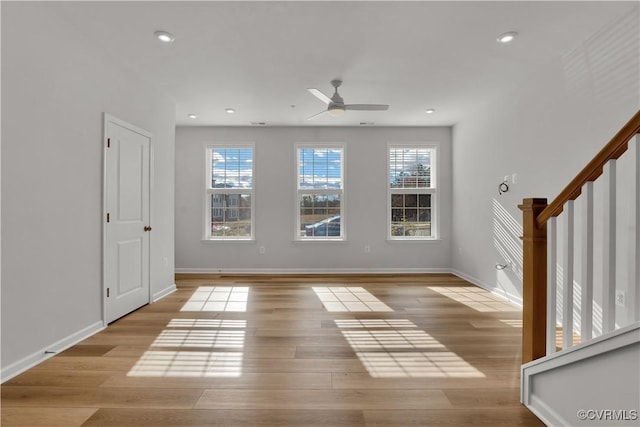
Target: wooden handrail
{"points": [[613, 150]]}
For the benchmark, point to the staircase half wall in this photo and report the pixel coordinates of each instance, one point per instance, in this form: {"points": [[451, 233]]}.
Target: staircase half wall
{"points": [[592, 384]]}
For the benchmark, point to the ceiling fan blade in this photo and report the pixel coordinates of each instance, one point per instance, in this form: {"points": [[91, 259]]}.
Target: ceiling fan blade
{"points": [[316, 115], [321, 96], [366, 107]]}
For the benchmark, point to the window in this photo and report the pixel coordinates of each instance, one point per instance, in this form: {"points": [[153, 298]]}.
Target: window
{"points": [[320, 192], [412, 192], [229, 192]]}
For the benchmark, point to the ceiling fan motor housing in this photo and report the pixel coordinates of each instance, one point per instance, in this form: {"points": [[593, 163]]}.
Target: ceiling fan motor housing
{"points": [[336, 109]]}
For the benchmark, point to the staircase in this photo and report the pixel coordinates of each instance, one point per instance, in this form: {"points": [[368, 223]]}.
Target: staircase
{"points": [[581, 293]]}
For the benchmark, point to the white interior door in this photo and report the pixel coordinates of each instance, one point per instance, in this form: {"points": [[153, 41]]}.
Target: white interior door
{"points": [[127, 225]]}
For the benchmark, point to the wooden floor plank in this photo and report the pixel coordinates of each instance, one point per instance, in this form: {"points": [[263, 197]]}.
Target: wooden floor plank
{"points": [[87, 350], [497, 397], [269, 380], [350, 380], [99, 397], [60, 378], [323, 399], [251, 351], [324, 352], [45, 417], [509, 417], [62, 363], [224, 418]]}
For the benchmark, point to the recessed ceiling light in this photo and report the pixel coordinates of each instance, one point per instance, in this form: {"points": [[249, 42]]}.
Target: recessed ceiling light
{"points": [[507, 37], [230, 110], [192, 116], [430, 111], [164, 36]]}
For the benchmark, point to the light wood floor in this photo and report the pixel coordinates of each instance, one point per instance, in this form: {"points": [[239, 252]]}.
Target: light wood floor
{"points": [[430, 350]]}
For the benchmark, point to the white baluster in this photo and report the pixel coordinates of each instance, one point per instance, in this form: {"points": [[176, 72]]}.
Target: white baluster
{"points": [[552, 285], [634, 246], [609, 248], [586, 300], [567, 278]]}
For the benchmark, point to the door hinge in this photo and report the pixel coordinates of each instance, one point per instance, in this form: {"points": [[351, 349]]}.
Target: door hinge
{"points": [[108, 142], [108, 292], [108, 217]]}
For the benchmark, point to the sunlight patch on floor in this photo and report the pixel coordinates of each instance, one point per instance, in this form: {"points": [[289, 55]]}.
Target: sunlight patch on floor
{"points": [[440, 364], [200, 338], [188, 364], [476, 298], [349, 299], [375, 323], [175, 352], [396, 348], [393, 339], [218, 298], [206, 323], [516, 323]]}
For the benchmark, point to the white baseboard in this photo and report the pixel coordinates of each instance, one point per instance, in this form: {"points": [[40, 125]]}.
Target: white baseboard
{"points": [[514, 299], [163, 293], [40, 356], [310, 270]]}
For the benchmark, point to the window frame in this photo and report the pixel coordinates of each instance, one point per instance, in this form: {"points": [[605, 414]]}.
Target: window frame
{"points": [[209, 191], [432, 190], [321, 191]]}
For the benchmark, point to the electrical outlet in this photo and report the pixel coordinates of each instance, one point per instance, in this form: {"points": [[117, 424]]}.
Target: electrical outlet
{"points": [[367, 249], [514, 178], [621, 298], [262, 250]]}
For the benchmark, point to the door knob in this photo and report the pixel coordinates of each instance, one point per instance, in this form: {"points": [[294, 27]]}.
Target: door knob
{"points": [[147, 228]]}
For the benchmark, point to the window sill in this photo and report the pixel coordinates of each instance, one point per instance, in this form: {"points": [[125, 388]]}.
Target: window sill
{"points": [[413, 240], [312, 241], [214, 241]]}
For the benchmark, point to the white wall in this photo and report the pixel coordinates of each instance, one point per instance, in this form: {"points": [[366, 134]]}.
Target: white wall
{"points": [[546, 132], [55, 88], [366, 181]]}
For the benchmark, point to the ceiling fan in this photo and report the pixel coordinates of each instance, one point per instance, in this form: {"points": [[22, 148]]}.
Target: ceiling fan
{"points": [[336, 105]]}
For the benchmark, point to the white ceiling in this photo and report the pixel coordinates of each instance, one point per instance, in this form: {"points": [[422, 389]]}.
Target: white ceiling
{"points": [[260, 57]]}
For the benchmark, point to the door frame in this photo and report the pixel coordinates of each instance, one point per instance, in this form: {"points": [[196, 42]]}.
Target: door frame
{"points": [[106, 119]]}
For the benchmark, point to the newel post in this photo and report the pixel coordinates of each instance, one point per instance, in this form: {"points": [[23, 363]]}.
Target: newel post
{"points": [[534, 282]]}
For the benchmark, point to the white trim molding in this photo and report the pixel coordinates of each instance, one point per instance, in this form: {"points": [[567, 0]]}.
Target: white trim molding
{"points": [[163, 293], [310, 270], [49, 351]]}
